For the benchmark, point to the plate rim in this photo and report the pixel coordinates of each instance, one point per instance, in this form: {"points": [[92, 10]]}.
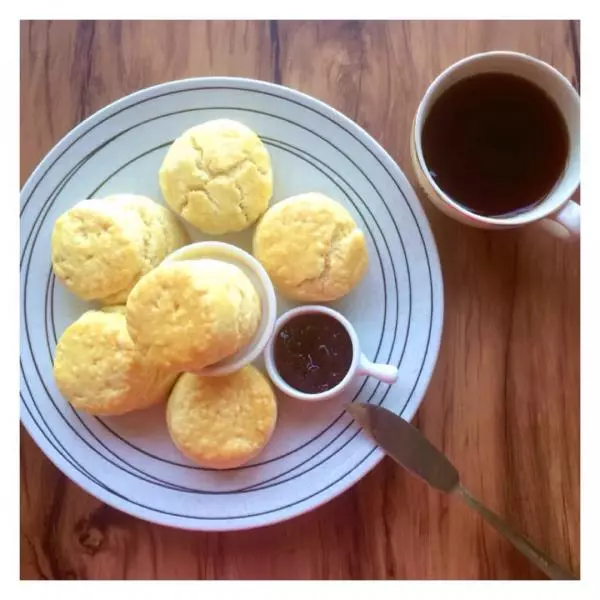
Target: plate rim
{"points": [[370, 461]]}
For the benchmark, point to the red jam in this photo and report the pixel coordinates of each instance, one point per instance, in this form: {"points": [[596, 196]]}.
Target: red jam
{"points": [[313, 352]]}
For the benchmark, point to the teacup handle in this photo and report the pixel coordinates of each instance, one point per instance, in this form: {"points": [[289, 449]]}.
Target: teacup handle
{"points": [[566, 223], [385, 373]]}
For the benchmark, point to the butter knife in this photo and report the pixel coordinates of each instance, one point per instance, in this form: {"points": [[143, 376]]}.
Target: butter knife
{"points": [[411, 450]]}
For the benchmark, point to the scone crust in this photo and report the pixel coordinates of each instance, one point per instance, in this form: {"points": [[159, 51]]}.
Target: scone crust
{"points": [[97, 249], [163, 234], [311, 248], [99, 371], [217, 176], [190, 314], [102, 246], [222, 422]]}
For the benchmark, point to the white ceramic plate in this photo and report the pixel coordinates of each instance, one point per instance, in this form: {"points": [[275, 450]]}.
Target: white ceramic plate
{"points": [[317, 451]]}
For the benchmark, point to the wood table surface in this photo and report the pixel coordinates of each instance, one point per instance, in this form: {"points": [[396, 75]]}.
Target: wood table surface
{"points": [[504, 399]]}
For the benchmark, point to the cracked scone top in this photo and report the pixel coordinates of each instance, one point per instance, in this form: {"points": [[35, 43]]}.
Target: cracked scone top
{"points": [[190, 314], [217, 176], [222, 422], [98, 369], [311, 248], [102, 246]]}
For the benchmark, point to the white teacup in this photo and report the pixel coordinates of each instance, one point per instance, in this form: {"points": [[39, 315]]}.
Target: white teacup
{"points": [[360, 365], [557, 211]]}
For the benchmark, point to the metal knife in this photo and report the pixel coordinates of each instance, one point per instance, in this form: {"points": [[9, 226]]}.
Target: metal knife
{"points": [[411, 450]]}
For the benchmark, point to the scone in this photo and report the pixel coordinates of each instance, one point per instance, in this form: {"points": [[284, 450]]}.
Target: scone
{"points": [[99, 371], [217, 176], [101, 247], [311, 248], [190, 314], [163, 234], [222, 422]]}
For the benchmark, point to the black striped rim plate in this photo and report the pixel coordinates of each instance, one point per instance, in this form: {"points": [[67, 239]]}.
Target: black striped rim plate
{"points": [[317, 451]]}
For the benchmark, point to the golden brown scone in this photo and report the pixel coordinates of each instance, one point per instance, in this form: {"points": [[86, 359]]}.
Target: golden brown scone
{"points": [[159, 221], [163, 234], [222, 422], [115, 308], [217, 176], [97, 249], [190, 314], [101, 247], [99, 371], [311, 248]]}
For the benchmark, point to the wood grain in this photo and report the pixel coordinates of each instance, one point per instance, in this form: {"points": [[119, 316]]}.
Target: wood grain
{"points": [[504, 399]]}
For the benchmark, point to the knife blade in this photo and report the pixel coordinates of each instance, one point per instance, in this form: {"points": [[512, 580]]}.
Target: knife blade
{"points": [[406, 445]]}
